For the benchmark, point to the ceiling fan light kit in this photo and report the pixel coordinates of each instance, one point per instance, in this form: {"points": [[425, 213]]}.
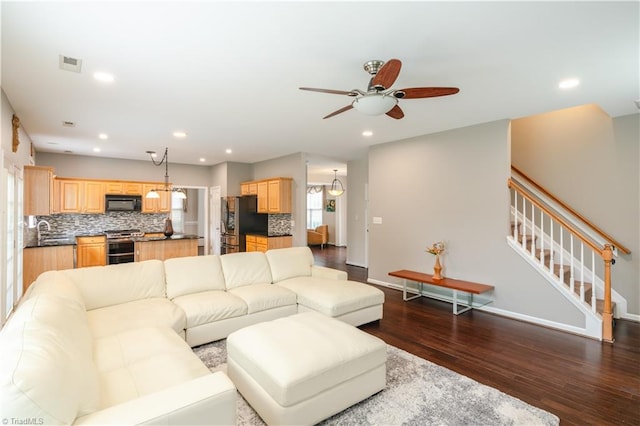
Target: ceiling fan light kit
{"points": [[379, 98], [375, 104]]}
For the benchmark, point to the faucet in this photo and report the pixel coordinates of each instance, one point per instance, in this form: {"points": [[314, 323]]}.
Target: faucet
{"points": [[38, 228]]}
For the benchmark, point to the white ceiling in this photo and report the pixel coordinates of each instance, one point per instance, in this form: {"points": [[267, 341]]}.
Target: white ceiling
{"points": [[228, 73]]}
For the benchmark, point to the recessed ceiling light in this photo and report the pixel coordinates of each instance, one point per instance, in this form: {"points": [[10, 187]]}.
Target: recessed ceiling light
{"points": [[103, 77], [202, 160], [180, 134], [96, 149], [103, 136], [569, 83], [153, 154], [367, 133], [228, 151]]}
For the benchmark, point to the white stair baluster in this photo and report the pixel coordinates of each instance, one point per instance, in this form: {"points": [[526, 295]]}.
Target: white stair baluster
{"points": [[523, 233], [561, 271], [541, 237], [593, 281], [515, 215], [551, 242], [572, 280], [533, 231], [581, 270]]}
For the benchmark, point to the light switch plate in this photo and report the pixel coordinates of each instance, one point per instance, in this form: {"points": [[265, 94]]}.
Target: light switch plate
{"points": [[377, 220]]}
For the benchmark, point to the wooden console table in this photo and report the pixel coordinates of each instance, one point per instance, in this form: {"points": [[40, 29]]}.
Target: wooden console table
{"points": [[468, 287]]}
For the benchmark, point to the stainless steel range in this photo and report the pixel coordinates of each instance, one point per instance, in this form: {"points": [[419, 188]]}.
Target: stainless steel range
{"points": [[120, 245]]}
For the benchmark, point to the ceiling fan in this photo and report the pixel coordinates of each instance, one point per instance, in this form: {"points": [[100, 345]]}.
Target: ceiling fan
{"points": [[379, 98]]}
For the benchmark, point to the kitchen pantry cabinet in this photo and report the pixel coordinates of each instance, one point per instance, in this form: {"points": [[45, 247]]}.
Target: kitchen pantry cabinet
{"points": [[38, 191], [156, 205], [165, 249], [80, 196], [92, 251], [263, 243], [37, 260]]}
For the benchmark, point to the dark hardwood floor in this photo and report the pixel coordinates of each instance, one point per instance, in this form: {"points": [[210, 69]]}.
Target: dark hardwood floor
{"points": [[582, 381]]}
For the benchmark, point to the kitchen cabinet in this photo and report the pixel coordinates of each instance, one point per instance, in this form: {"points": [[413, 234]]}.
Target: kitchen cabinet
{"points": [[38, 190], [263, 243], [263, 196], [279, 195], [166, 249], [80, 196], [155, 205], [249, 188], [92, 251], [37, 260], [123, 188]]}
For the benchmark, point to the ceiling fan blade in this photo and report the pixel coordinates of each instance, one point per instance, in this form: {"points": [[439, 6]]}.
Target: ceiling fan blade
{"points": [[396, 112], [331, 91], [340, 111], [425, 92], [387, 75]]}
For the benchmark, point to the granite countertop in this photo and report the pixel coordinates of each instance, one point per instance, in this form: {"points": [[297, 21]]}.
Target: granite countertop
{"points": [[71, 240], [162, 237], [266, 234]]}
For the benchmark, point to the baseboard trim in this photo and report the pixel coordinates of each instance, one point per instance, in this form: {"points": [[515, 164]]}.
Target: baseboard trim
{"points": [[496, 311], [631, 317], [359, 265]]}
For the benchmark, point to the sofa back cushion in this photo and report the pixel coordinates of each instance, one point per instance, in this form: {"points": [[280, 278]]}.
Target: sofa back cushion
{"points": [[115, 284], [57, 284], [245, 268], [290, 262], [186, 275], [47, 370]]}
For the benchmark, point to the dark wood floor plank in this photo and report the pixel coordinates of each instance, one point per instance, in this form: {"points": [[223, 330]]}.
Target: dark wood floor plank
{"points": [[580, 380]]}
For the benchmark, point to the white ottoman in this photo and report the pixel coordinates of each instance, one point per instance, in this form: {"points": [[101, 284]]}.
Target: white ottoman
{"points": [[304, 368]]}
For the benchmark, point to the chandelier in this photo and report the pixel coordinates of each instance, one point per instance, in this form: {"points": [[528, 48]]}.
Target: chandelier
{"points": [[337, 189], [167, 186]]}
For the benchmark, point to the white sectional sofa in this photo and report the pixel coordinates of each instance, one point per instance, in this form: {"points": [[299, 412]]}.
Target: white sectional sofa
{"points": [[111, 345]]}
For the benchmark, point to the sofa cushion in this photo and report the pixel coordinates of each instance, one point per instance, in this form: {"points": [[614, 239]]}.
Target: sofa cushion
{"points": [[210, 306], [47, 370], [260, 297], [186, 275], [114, 284], [245, 268], [142, 361], [55, 283], [158, 312], [331, 297], [290, 262]]}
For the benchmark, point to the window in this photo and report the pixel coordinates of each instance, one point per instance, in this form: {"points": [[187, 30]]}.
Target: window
{"points": [[11, 229], [315, 198], [177, 213]]}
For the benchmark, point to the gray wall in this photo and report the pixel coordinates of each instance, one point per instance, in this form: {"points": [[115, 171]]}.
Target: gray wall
{"points": [[292, 166], [357, 218], [23, 155], [452, 186], [590, 162], [78, 166]]}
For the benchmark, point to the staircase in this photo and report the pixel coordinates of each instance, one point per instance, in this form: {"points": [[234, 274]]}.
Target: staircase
{"points": [[573, 255]]}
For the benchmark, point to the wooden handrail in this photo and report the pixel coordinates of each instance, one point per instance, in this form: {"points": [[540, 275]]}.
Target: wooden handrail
{"points": [[522, 190], [599, 231]]}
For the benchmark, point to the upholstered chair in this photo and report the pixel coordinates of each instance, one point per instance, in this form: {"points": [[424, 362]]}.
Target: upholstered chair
{"points": [[320, 236]]}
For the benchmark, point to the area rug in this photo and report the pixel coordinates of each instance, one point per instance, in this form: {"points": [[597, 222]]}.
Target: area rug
{"points": [[418, 392]]}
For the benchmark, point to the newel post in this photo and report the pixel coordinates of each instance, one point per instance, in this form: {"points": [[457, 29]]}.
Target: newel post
{"points": [[607, 315]]}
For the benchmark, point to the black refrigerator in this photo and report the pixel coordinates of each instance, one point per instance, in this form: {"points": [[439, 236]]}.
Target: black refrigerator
{"points": [[239, 217]]}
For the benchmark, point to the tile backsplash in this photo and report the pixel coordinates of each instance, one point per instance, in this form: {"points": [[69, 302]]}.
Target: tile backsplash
{"points": [[279, 224], [73, 224]]}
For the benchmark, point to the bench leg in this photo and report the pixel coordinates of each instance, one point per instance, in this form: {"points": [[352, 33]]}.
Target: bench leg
{"points": [[468, 307], [404, 291]]}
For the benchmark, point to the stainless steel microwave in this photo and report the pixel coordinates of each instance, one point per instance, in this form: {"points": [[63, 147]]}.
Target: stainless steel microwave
{"points": [[123, 203]]}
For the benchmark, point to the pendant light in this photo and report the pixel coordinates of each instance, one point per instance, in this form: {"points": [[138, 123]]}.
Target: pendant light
{"points": [[337, 189], [180, 194]]}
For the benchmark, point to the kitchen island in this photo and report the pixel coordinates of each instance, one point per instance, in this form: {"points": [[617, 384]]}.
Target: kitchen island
{"points": [[157, 246]]}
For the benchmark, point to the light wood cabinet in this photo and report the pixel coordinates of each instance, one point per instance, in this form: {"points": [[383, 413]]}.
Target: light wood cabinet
{"points": [[38, 191], [263, 196], [80, 196], [123, 188], [249, 188], [37, 260], [263, 243], [165, 249], [155, 205], [279, 195], [92, 251]]}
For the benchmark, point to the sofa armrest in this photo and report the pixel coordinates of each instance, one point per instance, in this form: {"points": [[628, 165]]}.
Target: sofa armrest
{"points": [[330, 273], [207, 400]]}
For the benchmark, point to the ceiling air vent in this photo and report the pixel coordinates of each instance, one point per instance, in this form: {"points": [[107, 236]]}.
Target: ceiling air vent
{"points": [[68, 63], [69, 124]]}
